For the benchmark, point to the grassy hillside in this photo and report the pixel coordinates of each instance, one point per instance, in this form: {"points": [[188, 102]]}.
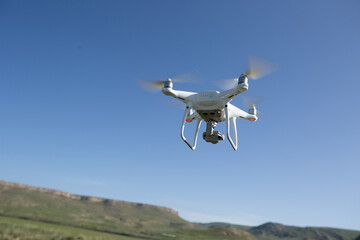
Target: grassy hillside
{"points": [[36, 213], [12, 228], [104, 215], [87, 212], [225, 225]]}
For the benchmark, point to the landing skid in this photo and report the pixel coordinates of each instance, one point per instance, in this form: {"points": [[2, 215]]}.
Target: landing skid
{"points": [[210, 135]]}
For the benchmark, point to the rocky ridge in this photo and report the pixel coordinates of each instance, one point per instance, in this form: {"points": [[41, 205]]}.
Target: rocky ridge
{"points": [[79, 197]]}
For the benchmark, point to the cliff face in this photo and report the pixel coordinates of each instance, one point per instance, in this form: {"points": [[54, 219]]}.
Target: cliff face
{"points": [[10, 185]]}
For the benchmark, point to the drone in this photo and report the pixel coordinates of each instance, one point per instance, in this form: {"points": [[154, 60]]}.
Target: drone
{"points": [[214, 107]]}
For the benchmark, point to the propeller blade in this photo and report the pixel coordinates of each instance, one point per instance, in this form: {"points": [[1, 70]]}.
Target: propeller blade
{"points": [[151, 86], [176, 104], [193, 76], [252, 101], [259, 67], [226, 84]]}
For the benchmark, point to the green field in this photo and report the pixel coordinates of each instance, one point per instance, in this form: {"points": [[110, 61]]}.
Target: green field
{"points": [[12, 228]]}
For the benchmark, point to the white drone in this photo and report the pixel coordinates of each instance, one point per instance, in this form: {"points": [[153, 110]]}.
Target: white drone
{"points": [[214, 106]]}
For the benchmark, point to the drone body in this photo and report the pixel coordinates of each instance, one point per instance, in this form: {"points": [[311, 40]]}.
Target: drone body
{"points": [[213, 106]]}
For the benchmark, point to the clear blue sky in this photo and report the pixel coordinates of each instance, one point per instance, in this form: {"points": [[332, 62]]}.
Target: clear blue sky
{"points": [[73, 119]]}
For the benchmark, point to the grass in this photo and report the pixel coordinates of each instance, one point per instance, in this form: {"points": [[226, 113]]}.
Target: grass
{"points": [[19, 229], [225, 225]]}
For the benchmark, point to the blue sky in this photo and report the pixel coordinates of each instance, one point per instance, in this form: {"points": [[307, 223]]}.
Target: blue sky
{"points": [[73, 119]]}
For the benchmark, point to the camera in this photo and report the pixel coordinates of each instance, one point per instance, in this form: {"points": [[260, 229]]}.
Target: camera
{"points": [[213, 138]]}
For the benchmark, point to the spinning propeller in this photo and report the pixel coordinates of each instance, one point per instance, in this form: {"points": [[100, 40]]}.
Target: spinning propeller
{"points": [[257, 68], [193, 76], [251, 103]]}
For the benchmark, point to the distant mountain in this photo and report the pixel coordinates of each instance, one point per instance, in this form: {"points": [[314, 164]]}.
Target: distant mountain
{"points": [[279, 231], [27, 210]]}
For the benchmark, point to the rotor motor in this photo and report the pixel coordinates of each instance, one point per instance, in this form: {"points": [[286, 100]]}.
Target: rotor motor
{"points": [[168, 83], [242, 79], [252, 110]]}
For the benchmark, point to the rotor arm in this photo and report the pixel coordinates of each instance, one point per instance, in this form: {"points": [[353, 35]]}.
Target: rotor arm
{"points": [[181, 95], [235, 112], [228, 95]]}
